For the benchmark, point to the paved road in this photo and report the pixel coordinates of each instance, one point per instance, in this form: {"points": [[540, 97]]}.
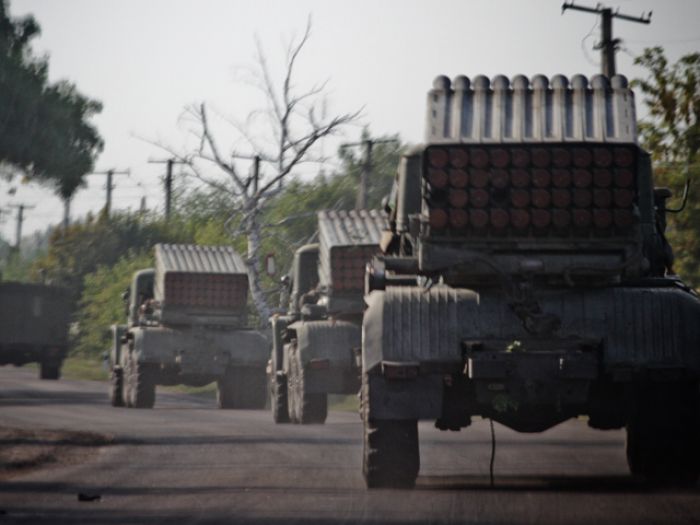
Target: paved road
{"points": [[186, 462]]}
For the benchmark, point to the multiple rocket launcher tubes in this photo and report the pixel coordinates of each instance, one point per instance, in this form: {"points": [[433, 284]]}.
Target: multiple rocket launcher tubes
{"points": [[572, 189]]}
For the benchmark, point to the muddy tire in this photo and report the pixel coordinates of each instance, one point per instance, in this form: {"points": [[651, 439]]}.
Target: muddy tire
{"points": [[244, 388], [140, 385], [116, 388], [663, 436], [390, 454], [304, 407], [278, 399], [51, 371]]}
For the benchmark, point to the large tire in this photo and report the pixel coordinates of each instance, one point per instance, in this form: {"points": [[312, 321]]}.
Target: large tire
{"points": [[278, 398], [390, 455], [244, 388], [140, 385], [304, 407], [116, 388], [50, 371], [663, 435]]}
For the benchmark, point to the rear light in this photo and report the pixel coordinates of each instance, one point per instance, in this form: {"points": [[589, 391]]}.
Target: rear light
{"points": [[566, 189], [399, 370], [319, 364]]}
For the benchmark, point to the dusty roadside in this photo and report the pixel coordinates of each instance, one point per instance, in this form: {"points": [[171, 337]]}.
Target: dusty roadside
{"points": [[24, 450]]}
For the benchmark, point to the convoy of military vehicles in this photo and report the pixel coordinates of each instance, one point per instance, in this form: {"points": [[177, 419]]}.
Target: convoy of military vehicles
{"points": [[520, 274]]}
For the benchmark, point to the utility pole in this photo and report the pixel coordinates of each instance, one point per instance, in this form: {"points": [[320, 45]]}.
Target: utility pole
{"points": [[20, 220], [366, 173], [110, 186], [608, 44], [168, 181]]}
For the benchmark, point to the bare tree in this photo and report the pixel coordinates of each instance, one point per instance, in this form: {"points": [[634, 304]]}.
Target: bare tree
{"points": [[295, 121]]}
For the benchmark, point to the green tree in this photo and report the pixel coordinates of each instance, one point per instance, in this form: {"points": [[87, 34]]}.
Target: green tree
{"points": [[80, 249], [671, 134], [101, 303], [44, 128]]}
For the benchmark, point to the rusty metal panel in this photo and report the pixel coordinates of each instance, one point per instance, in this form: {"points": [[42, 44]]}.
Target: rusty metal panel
{"points": [[192, 258], [338, 230], [537, 110]]}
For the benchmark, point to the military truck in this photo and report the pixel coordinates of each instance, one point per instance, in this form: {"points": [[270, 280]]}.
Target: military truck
{"points": [[315, 346], [187, 324], [34, 321], [527, 280]]}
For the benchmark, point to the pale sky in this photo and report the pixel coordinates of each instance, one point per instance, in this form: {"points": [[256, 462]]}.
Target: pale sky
{"points": [[145, 60]]}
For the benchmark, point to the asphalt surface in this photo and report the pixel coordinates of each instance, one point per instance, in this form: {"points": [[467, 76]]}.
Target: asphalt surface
{"points": [[186, 462]]}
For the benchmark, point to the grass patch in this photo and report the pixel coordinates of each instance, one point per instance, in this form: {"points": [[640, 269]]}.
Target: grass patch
{"points": [[82, 367], [208, 391], [349, 403]]}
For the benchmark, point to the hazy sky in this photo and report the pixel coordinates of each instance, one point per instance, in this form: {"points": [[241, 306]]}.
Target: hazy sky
{"points": [[147, 59]]}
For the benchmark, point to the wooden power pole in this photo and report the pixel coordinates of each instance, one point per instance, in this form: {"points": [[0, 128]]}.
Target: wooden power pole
{"points": [[608, 44]]}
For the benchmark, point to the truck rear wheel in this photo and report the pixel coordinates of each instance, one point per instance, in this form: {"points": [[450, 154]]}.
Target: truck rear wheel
{"points": [[663, 436], [278, 399], [49, 371], [304, 407], [390, 455], [116, 388], [243, 387], [140, 385]]}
